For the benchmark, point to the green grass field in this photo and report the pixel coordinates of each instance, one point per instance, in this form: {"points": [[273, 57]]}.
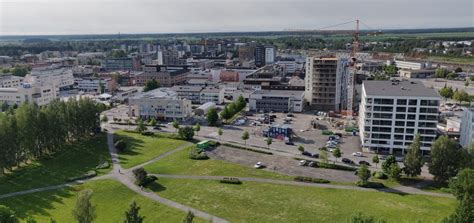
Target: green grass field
{"points": [[110, 198], [260, 202], [179, 163], [142, 148], [458, 60], [74, 160]]}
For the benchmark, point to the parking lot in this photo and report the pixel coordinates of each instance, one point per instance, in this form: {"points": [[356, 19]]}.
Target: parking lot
{"points": [[280, 164]]}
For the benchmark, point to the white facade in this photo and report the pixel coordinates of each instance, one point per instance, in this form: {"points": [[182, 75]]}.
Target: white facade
{"points": [[38, 94], [392, 113], [276, 101], [270, 55], [467, 128], [212, 94], [411, 65], [288, 66], [10, 81], [161, 103], [91, 84], [61, 78]]}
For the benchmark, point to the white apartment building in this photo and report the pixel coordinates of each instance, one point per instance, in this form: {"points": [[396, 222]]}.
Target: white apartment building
{"points": [[276, 101], [161, 103], [61, 78], [26, 92], [10, 81], [289, 66], [189, 92], [392, 112], [212, 94], [467, 128], [270, 55]]}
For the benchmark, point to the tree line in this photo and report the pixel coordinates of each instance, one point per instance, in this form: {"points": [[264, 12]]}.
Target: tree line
{"points": [[31, 132]]}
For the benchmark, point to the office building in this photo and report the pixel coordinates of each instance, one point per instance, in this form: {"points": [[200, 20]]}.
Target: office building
{"points": [[264, 55], [123, 63], [165, 78], [62, 78], [10, 81], [191, 93], [276, 101], [29, 93], [212, 94], [423, 73], [161, 103], [92, 84], [411, 65], [391, 113], [467, 128], [270, 55]]}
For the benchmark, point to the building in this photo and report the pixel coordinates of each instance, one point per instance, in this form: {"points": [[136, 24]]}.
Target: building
{"points": [[212, 94], [323, 82], [423, 73], [62, 78], [123, 63], [229, 76], [124, 93], [90, 58], [161, 103], [279, 131], [264, 55], [467, 128], [289, 65], [92, 84], [276, 101], [172, 57], [29, 93], [10, 81], [191, 93], [164, 78], [411, 65], [391, 113], [265, 76]]}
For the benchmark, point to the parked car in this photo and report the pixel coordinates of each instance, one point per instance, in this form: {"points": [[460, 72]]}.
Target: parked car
{"points": [[312, 164], [302, 162], [306, 153], [259, 165], [347, 161], [289, 143], [338, 134], [156, 127], [331, 146], [364, 162], [359, 154]]}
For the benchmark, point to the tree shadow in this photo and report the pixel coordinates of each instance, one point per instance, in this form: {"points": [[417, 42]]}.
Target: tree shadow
{"points": [[156, 187]]}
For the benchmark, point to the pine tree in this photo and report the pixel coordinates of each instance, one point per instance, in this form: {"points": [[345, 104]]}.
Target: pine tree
{"points": [[132, 215], [83, 211]]}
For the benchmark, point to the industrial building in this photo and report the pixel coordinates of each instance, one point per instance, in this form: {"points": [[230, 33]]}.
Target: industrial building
{"points": [[392, 112], [276, 101]]}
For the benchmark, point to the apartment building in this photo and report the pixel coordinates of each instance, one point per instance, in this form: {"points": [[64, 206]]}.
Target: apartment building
{"points": [[323, 82], [276, 100], [212, 94], [161, 103], [61, 77], [392, 112], [467, 128], [10, 81], [29, 93], [92, 84], [123, 63]]}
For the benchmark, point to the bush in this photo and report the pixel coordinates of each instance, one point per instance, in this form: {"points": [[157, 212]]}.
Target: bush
{"points": [[148, 133], [335, 166], [120, 145], [380, 175], [311, 180], [142, 178], [186, 133], [327, 132], [230, 180], [246, 148], [197, 154], [370, 184], [103, 165], [87, 175]]}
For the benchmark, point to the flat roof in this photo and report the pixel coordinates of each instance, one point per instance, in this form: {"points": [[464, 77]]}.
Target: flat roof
{"points": [[398, 88], [279, 92], [186, 88], [157, 93]]}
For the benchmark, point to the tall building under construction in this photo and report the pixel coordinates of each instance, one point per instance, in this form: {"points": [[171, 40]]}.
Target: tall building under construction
{"points": [[325, 85]]}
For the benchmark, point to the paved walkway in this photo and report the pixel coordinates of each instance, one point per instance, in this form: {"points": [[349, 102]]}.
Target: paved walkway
{"points": [[399, 190], [162, 156]]}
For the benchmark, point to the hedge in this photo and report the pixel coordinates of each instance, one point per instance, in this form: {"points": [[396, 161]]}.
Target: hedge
{"points": [[246, 148], [370, 184], [230, 180], [335, 166], [311, 180]]}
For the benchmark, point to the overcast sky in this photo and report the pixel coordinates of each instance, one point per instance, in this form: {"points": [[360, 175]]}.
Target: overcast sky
{"points": [[37, 17]]}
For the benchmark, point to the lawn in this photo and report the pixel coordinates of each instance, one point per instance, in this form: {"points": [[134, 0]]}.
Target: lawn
{"points": [[458, 60], [74, 160], [142, 148], [179, 163], [261, 202], [110, 198]]}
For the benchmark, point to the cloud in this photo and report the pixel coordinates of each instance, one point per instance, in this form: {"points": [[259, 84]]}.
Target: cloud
{"points": [[163, 16]]}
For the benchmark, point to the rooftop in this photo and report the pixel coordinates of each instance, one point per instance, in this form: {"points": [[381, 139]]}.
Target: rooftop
{"points": [[398, 88], [160, 93], [211, 90], [279, 92], [186, 88]]}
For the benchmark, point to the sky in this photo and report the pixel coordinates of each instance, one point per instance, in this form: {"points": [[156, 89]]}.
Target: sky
{"points": [[58, 17]]}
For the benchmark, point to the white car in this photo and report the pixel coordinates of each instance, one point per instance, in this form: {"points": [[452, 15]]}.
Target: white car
{"points": [[302, 162], [359, 154], [259, 165]]}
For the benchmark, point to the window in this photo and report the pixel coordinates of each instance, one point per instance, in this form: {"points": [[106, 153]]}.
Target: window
{"points": [[400, 116], [401, 109], [411, 117], [401, 101], [412, 110], [412, 102]]}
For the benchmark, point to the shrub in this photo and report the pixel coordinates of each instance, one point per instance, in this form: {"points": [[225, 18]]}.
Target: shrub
{"points": [[103, 165], [335, 166], [197, 154], [148, 133], [87, 175], [142, 178], [370, 184], [230, 180], [311, 180], [186, 133], [327, 132], [380, 175], [120, 145]]}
